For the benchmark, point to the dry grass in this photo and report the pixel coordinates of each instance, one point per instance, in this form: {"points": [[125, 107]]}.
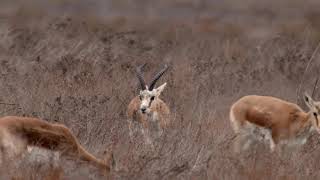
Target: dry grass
{"points": [[78, 70]]}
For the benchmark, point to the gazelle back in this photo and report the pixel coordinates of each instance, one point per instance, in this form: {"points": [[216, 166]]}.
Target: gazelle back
{"points": [[276, 120]]}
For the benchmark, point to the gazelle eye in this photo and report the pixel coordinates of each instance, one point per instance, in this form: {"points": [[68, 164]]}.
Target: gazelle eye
{"points": [[316, 116], [152, 98], [140, 97]]}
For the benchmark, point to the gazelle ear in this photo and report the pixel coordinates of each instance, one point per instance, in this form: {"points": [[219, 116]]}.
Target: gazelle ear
{"points": [[161, 88], [308, 100]]}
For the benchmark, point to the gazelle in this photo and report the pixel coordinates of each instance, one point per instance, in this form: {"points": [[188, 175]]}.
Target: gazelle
{"points": [[147, 107], [276, 120], [17, 134]]}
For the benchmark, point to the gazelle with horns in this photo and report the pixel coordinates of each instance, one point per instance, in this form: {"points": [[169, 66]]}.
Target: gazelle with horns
{"points": [[278, 121], [147, 106]]}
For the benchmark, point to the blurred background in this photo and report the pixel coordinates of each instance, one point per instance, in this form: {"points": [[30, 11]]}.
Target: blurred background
{"points": [[72, 62], [253, 18]]}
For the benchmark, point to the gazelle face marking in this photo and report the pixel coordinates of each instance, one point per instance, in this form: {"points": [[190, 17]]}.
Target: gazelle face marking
{"points": [[147, 108], [147, 97], [314, 107], [149, 94]]}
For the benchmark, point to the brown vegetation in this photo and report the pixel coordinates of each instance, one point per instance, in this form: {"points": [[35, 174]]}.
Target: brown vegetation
{"points": [[77, 69]]}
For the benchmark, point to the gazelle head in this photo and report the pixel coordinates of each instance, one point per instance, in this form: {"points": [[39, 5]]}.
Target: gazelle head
{"points": [[150, 94], [314, 107]]}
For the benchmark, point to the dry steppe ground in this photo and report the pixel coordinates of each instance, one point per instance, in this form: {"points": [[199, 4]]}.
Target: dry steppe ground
{"points": [[74, 64]]}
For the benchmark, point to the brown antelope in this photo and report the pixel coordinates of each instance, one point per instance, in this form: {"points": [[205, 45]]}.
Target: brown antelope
{"points": [[147, 107], [17, 134], [276, 120]]}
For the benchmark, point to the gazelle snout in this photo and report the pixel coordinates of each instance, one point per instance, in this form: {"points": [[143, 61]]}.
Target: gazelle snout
{"points": [[144, 107], [149, 94], [143, 110]]}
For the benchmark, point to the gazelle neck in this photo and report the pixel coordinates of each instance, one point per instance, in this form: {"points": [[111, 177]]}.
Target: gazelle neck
{"points": [[308, 121]]}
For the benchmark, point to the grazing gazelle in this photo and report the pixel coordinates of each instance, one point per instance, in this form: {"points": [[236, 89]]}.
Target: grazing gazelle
{"points": [[147, 107], [17, 134], [273, 119]]}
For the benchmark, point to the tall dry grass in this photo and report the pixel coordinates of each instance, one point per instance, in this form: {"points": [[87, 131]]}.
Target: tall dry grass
{"points": [[78, 70]]}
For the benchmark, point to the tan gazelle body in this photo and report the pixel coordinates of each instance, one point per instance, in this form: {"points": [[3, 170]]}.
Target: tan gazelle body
{"points": [[17, 134], [273, 119], [147, 107]]}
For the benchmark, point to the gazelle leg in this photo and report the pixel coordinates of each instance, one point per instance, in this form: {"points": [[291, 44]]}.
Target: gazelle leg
{"points": [[146, 135], [146, 132], [159, 128], [271, 141], [245, 136], [247, 143], [272, 145], [54, 159], [130, 126], [241, 138], [251, 134], [163, 122]]}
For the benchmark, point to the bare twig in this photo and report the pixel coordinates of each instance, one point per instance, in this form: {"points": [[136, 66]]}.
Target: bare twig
{"points": [[9, 104], [176, 170], [307, 67], [197, 159], [315, 87]]}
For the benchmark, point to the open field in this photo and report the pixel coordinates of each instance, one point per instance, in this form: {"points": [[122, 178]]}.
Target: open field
{"points": [[73, 63]]}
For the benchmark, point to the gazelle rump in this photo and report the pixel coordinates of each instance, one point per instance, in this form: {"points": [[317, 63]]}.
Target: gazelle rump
{"points": [[276, 120], [18, 133], [148, 106]]}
